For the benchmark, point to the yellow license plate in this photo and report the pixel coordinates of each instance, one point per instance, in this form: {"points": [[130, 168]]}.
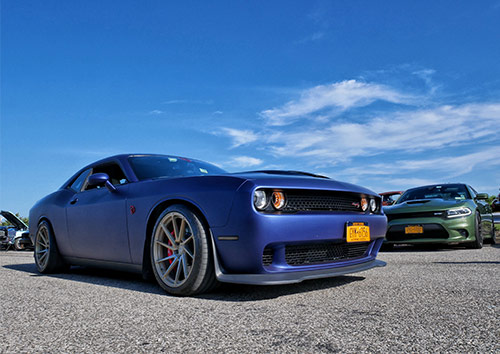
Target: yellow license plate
{"points": [[358, 232], [414, 229]]}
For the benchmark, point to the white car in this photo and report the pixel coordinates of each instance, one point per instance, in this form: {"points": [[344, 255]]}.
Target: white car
{"points": [[16, 235]]}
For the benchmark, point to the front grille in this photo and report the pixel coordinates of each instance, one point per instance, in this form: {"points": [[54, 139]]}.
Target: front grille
{"points": [[317, 253], [423, 214], [397, 233], [326, 201]]}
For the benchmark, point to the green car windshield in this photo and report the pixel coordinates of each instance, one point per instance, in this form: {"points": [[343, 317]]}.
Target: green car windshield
{"points": [[445, 191]]}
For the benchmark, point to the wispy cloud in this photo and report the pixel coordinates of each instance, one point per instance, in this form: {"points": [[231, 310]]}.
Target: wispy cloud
{"points": [[245, 161], [333, 99], [239, 136], [447, 166], [217, 112], [409, 131], [155, 112]]}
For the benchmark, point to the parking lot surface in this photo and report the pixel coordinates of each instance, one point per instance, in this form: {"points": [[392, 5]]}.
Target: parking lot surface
{"points": [[423, 300]]}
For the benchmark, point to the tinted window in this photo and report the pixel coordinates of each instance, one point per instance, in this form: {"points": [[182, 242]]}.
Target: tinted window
{"points": [[147, 167], [445, 191], [78, 183]]}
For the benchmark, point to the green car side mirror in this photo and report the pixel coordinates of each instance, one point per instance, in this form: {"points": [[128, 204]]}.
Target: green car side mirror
{"points": [[482, 196]]}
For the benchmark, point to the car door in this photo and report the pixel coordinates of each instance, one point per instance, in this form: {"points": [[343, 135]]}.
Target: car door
{"points": [[97, 219]]}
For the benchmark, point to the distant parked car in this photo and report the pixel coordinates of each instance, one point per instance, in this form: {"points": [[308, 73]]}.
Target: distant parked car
{"points": [[16, 235], [495, 204], [444, 213], [389, 198]]}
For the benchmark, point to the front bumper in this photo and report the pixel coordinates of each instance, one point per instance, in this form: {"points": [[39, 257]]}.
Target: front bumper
{"points": [[436, 230]]}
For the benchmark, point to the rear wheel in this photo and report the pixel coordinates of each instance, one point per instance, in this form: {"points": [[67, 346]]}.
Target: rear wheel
{"points": [[493, 233], [47, 257], [478, 242], [180, 253]]}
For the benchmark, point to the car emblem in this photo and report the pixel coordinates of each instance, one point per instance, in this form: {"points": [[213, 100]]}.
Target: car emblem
{"points": [[132, 209], [356, 204]]}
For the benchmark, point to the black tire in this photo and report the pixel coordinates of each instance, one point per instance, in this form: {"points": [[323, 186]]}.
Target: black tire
{"points": [[45, 243], [197, 258], [478, 242], [493, 234], [17, 245]]}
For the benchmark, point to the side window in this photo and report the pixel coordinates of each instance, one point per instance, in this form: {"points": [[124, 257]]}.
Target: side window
{"points": [[78, 182], [113, 170]]}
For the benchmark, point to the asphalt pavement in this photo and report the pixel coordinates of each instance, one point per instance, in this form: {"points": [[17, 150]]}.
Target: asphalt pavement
{"points": [[424, 300]]}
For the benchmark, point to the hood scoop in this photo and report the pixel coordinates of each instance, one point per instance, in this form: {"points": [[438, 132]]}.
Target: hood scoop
{"points": [[419, 201]]}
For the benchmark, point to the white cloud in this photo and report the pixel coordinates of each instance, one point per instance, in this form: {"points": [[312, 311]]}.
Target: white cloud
{"points": [[245, 161], [448, 166], [337, 97], [410, 131], [217, 112], [239, 137], [156, 112]]}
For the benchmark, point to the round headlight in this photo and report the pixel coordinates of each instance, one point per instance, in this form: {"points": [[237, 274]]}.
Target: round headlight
{"points": [[373, 205], [278, 200], [260, 200], [364, 204]]}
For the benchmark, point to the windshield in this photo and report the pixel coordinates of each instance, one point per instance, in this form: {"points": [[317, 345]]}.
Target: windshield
{"points": [[148, 167], [448, 191]]}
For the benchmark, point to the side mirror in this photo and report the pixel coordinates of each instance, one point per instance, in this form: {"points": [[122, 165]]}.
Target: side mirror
{"points": [[100, 179], [482, 196]]}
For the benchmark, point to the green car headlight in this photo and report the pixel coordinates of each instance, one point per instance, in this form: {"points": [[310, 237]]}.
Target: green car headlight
{"points": [[455, 213]]}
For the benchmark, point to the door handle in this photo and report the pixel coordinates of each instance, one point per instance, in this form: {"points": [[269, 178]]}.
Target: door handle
{"points": [[73, 201]]}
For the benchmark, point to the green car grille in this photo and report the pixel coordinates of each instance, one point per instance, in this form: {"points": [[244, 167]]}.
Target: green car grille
{"points": [[424, 214]]}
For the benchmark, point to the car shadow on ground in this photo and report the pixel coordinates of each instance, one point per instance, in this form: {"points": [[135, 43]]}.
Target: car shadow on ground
{"points": [[224, 292]]}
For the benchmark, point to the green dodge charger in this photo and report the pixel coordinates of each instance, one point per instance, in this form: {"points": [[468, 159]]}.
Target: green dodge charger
{"points": [[443, 213]]}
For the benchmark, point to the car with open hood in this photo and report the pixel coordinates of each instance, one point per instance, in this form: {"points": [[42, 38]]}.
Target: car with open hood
{"points": [[443, 213], [16, 234], [190, 224]]}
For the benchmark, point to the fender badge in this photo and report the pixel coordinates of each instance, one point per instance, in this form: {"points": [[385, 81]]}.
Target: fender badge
{"points": [[132, 209]]}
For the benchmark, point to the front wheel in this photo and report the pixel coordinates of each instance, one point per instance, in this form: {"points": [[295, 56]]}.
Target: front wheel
{"points": [[180, 253], [17, 245], [478, 242]]}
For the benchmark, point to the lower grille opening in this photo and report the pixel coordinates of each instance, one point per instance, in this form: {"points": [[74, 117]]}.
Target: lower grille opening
{"points": [[397, 233], [326, 252]]}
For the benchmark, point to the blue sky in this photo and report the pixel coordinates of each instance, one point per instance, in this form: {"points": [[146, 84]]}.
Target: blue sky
{"points": [[388, 94]]}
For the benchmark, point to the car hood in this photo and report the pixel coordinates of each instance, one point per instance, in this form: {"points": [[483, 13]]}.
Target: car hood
{"points": [[425, 205], [14, 220], [299, 180]]}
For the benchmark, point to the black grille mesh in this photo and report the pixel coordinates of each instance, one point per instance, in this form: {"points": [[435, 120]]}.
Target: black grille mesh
{"points": [[423, 214], [317, 253], [310, 202], [267, 256]]}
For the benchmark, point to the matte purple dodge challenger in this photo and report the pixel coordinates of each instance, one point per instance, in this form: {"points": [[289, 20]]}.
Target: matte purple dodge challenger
{"points": [[190, 224]]}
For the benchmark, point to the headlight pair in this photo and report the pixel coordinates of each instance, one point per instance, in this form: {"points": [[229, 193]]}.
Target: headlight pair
{"points": [[261, 200], [372, 203]]}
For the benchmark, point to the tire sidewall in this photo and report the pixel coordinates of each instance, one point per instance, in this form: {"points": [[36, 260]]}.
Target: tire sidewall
{"points": [[43, 224], [478, 230], [200, 241]]}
